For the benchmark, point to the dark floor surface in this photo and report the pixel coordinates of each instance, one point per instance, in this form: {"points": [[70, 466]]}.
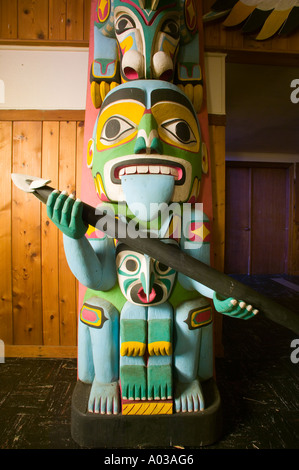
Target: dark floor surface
{"points": [[257, 380]]}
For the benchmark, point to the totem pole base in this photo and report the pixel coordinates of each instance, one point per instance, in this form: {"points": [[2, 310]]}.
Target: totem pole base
{"points": [[161, 431]]}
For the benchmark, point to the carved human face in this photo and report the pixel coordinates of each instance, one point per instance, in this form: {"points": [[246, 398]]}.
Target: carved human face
{"points": [[146, 145], [147, 38], [143, 280]]}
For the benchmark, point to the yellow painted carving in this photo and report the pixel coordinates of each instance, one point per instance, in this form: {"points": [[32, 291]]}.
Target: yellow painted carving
{"points": [[126, 44], [129, 109], [160, 348], [132, 348], [99, 186], [202, 232]]}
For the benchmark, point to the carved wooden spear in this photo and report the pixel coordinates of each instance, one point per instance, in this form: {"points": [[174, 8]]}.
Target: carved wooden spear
{"points": [[170, 256]]}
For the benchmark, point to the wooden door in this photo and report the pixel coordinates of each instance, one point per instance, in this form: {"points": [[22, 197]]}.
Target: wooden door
{"points": [[257, 218]]}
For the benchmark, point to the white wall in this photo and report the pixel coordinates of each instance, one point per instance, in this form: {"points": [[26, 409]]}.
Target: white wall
{"points": [[43, 78], [56, 78]]}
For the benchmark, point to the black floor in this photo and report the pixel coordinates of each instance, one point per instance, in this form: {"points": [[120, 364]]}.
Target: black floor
{"points": [[257, 380]]}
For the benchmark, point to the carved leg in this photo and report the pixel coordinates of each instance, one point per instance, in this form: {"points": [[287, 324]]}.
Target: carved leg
{"points": [[194, 346], [98, 354], [133, 337], [159, 367]]}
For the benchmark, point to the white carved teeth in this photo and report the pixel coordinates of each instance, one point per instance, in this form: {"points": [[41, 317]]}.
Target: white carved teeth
{"points": [[151, 169]]}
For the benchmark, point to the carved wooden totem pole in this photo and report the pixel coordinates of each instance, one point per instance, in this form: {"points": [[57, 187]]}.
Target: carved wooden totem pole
{"points": [[145, 341]]}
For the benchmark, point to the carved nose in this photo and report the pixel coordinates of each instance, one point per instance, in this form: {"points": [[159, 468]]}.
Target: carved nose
{"points": [[162, 66], [143, 145], [133, 65]]}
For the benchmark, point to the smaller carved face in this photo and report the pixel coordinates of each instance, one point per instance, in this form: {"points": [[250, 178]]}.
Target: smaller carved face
{"points": [[148, 40], [143, 280]]}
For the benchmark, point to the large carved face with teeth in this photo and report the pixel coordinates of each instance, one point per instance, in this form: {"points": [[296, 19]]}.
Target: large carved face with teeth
{"points": [[143, 280], [146, 146]]}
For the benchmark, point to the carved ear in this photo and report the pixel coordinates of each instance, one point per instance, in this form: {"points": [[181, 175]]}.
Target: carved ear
{"points": [[90, 151], [204, 158]]}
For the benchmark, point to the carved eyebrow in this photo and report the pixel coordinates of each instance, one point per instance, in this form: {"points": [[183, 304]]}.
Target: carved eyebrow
{"points": [[167, 94], [134, 94]]}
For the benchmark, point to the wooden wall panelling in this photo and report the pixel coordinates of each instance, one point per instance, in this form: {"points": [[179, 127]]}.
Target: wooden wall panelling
{"points": [[38, 315], [219, 38], [67, 281], [6, 333], [45, 21], [75, 20], [33, 19], [217, 149], [57, 19], [270, 197], [238, 239], [26, 247], [8, 19], [87, 12], [49, 238]]}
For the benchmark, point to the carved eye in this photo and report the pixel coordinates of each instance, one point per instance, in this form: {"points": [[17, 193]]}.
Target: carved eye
{"points": [[162, 269], [124, 23], [171, 28], [129, 266], [115, 129], [180, 130]]}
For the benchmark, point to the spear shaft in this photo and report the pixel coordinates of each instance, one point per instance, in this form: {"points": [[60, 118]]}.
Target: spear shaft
{"points": [[184, 263]]}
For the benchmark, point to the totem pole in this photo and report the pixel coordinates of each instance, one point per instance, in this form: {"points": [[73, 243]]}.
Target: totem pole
{"points": [[145, 341]]}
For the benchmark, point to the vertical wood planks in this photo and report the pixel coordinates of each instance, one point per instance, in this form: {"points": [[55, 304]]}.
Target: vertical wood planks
{"points": [[217, 147], [67, 281], [33, 19], [57, 19], [8, 19], [6, 332], [49, 238], [38, 291], [87, 13], [26, 252], [75, 20]]}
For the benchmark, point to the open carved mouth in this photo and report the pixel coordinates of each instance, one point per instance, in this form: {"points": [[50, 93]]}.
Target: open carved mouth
{"points": [[148, 166], [139, 296], [143, 297]]}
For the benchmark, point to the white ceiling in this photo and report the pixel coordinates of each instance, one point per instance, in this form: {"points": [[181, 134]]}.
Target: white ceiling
{"points": [[260, 115]]}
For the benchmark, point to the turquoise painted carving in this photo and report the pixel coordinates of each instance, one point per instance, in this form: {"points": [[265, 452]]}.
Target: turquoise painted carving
{"points": [[143, 39], [145, 331]]}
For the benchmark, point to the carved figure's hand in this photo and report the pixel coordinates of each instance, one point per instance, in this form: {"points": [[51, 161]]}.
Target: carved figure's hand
{"points": [[98, 91], [194, 93], [233, 307], [66, 213]]}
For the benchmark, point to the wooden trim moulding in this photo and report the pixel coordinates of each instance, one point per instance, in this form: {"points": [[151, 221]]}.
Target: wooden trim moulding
{"points": [[40, 351], [44, 42], [42, 115], [257, 57]]}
